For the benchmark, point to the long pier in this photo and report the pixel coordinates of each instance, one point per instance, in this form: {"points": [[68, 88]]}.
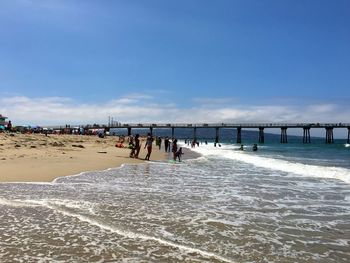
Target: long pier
{"points": [[329, 127]]}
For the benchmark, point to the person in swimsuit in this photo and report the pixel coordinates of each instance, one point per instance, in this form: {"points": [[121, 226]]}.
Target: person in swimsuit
{"points": [[178, 154]]}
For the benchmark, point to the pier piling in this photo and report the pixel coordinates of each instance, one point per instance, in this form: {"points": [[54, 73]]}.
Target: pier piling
{"points": [[129, 131], [261, 135], [329, 135], [284, 138], [195, 133], [306, 135], [239, 135], [151, 130]]}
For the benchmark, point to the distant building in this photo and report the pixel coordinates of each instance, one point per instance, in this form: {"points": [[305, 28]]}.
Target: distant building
{"points": [[3, 120]]}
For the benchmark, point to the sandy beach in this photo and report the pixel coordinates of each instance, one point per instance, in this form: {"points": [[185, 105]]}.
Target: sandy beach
{"points": [[40, 158]]}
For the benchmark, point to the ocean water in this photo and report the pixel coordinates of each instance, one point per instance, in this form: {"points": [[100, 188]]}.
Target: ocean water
{"points": [[283, 203]]}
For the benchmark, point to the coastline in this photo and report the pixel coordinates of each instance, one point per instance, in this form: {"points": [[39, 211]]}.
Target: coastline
{"points": [[40, 158]]}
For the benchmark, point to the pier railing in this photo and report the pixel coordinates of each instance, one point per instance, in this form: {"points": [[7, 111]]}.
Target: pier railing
{"points": [[230, 125]]}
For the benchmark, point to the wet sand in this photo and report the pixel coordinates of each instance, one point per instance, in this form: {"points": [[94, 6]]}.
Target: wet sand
{"points": [[40, 158]]}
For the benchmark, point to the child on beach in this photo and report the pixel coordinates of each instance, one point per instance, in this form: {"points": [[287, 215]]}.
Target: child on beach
{"points": [[159, 142], [132, 147]]}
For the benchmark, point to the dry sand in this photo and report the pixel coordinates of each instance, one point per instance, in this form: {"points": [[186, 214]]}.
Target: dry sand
{"points": [[40, 158]]}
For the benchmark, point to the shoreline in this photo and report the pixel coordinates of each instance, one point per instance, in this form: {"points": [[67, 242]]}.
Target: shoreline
{"points": [[38, 158]]}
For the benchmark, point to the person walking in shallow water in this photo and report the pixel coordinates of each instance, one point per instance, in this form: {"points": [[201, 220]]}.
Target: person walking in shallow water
{"points": [[148, 144], [178, 154], [166, 143], [174, 149]]}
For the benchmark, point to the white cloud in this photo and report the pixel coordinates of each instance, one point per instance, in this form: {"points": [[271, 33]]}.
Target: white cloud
{"points": [[136, 108], [322, 108], [214, 101]]}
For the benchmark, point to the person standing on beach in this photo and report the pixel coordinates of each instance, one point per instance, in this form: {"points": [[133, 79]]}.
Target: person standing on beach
{"points": [[148, 144], [9, 126], [159, 142], [137, 145], [174, 148]]}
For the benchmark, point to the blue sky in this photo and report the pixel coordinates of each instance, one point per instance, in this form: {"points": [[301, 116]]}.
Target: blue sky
{"points": [[80, 61]]}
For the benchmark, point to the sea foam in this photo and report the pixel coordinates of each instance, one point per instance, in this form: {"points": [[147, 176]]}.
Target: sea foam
{"points": [[253, 158], [68, 208]]}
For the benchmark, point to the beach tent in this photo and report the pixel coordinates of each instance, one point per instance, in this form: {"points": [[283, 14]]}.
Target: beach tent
{"points": [[2, 127]]}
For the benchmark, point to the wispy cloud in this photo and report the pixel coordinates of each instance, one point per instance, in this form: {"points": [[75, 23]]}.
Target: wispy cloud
{"points": [[138, 96], [214, 101], [144, 108]]}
